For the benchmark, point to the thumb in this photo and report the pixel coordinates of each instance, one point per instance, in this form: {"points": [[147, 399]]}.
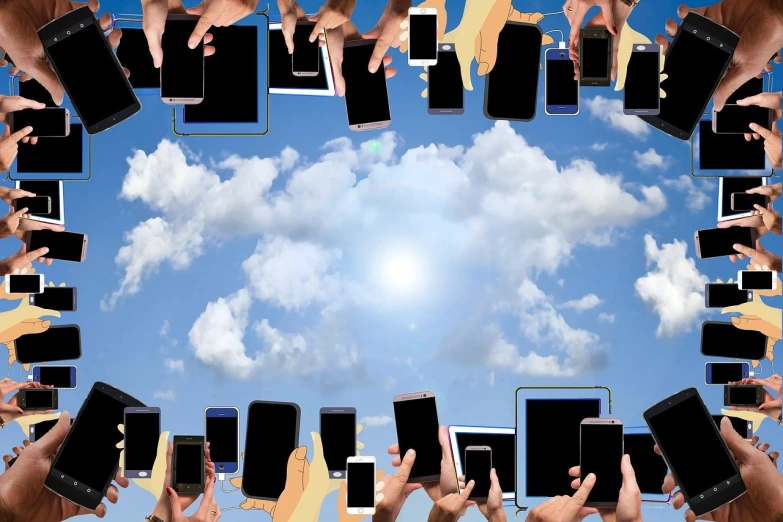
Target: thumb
{"points": [[198, 10], [48, 445], [734, 79], [372, 35], [742, 451], [21, 133], [203, 25], [488, 53], [176, 508], [296, 464], [381, 46], [629, 475], [580, 497], [403, 473], [493, 479]]}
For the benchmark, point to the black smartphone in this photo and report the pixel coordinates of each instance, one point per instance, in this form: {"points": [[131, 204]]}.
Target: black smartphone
{"points": [[744, 202], [135, 56], [728, 151], [89, 70], [66, 246], [707, 476], [366, 97], [726, 340], [511, 88], [743, 428], [338, 436], [743, 395], [750, 88], [267, 450], [141, 432], [595, 57], [696, 60], [46, 123], [53, 155], [445, 92], [721, 295], [182, 71], [60, 298], [88, 459], [736, 119], [306, 59], [642, 91], [649, 467], [189, 474], [39, 429], [37, 399], [57, 343], [36, 205], [32, 90], [719, 242], [57, 376], [478, 464], [416, 419], [601, 453], [52, 189]]}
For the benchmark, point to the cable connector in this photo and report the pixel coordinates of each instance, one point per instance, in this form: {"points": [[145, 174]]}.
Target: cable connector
{"points": [[29, 377], [751, 374], [561, 45], [221, 477]]}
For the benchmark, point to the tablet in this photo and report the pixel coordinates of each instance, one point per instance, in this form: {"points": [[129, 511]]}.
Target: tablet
{"points": [[649, 467], [727, 186], [729, 152], [53, 155], [501, 440], [281, 76], [52, 188]]}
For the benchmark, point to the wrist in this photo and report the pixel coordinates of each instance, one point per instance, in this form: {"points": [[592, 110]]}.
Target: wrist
{"points": [[498, 515], [162, 510]]}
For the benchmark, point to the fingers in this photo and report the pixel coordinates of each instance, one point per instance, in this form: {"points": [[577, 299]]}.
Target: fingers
{"points": [[207, 500], [760, 100], [761, 131], [381, 46], [176, 508], [580, 497], [734, 79], [576, 23], [203, 25], [18, 135], [468, 489], [742, 249], [41, 71], [404, 471], [49, 443], [609, 22]]}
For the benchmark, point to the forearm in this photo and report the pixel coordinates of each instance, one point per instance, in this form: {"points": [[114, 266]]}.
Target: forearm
{"points": [[497, 516]]}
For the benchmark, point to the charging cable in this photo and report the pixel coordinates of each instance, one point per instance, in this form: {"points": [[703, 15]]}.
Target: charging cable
{"points": [[562, 44], [555, 13], [222, 478]]}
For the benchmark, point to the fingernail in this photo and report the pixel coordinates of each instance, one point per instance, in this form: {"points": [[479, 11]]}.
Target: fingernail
{"points": [[169, 491], [373, 68], [590, 477], [46, 250], [410, 453], [735, 246], [28, 129], [301, 453], [193, 43]]}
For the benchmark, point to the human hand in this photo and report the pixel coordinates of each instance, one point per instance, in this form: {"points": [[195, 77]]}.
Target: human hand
{"points": [[759, 256], [452, 507], [332, 14], [9, 146], [337, 38], [25, 421], [769, 217], [448, 482], [23, 320], [772, 142], [208, 510], [9, 409], [767, 100], [394, 490], [492, 508], [26, 225], [629, 503], [771, 191], [21, 260], [290, 13], [8, 195], [760, 317], [10, 223], [440, 6], [772, 406], [387, 31], [764, 447], [753, 417], [563, 508], [9, 104], [154, 14], [297, 465], [218, 13], [754, 221]]}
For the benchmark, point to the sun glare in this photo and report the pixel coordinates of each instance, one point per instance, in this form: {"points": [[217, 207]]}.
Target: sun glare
{"points": [[402, 272]]}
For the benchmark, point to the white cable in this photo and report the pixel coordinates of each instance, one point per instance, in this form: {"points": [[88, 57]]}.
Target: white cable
{"points": [[222, 479], [562, 36], [555, 13]]}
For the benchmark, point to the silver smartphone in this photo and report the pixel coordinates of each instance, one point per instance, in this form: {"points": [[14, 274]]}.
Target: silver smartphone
{"points": [[142, 431], [601, 452], [719, 242], [306, 58], [416, 420], [478, 465], [66, 246], [366, 96], [49, 122], [182, 71]]}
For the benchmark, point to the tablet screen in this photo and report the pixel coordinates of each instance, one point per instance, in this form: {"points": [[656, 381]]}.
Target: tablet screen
{"points": [[281, 74], [52, 155], [502, 445]]}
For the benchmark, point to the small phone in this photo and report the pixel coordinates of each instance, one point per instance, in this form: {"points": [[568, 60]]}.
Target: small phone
{"points": [[445, 92], [601, 453], [306, 59], [66, 246], [24, 283], [721, 295], [744, 202], [719, 339], [595, 57], [222, 433], [642, 91], [478, 464], [725, 373], [757, 280], [743, 428], [736, 119], [338, 436], [57, 376], [562, 90], [141, 432], [366, 96], [182, 71], [189, 475], [416, 419], [422, 36], [267, 450], [57, 343], [60, 298], [36, 205], [719, 242], [46, 122], [39, 429], [743, 395], [37, 399], [360, 478]]}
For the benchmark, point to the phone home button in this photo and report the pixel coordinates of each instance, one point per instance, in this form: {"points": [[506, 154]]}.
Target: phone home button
{"points": [[337, 474], [142, 473], [361, 510]]}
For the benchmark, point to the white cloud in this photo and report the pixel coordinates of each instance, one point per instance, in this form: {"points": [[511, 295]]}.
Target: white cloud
{"points": [[606, 318], [164, 329], [164, 395], [587, 302], [599, 147], [174, 365], [376, 421], [651, 159], [674, 288], [697, 196], [610, 111]]}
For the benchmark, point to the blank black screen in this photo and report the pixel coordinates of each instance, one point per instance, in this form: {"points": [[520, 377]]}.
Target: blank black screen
{"points": [[60, 155], [423, 37], [649, 467], [338, 435], [267, 450], [417, 429], [502, 454], [142, 431], [42, 428], [561, 87], [739, 425], [307, 55], [56, 298], [728, 151], [361, 485], [736, 184], [642, 83], [39, 398], [737, 118], [229, 98], [746, 202], [58, 343], [57, 376], [726, 340], [742, 395], [89, 72], [757, 280], [222, 435], [750, 88], [478, 463], [698, 468], [62, 245], [36, 205], [366, 98], [135, 56], [47, 188], [511, 89], [595, 58], [45, 122], [445, 90], [182, 72], [189, 466], [32, 90], [601, 453], [554, 423], [281, 75], [717, 242], [24, 284], [724, 373]]}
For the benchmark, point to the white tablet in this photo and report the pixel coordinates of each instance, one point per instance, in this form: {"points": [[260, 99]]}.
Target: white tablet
{"points": [[501, 440], [727, 186], [281, 75], [52, 188]]}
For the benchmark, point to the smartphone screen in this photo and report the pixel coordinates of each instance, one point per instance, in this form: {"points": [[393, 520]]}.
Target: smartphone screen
{"points": [[45, 122], [562, 90], [67, 246], [445, 93], [267, 450], [595, 57], [366, 97], [182, 72], [32, 90], [649, 467], [46, 188], [39, 399], [742, 395], [60, 298], [223, 437], [736, 119], [57, 376], [39, 429], [750, 88], [743, 428], [717, 242], [721, 295], [58, 343], [728, 186], [417, 428], [188, 464], [135, 56], [724, 373], [601, 452], [37, 205], [726, 340], [728, 151], [511, 89], [24, 283], [742, 202], [757, 280], [307, 56], [642, 84], [478, 464], [53, 155], [142, 431], [423, 31], [361, 485], [338, 436]]}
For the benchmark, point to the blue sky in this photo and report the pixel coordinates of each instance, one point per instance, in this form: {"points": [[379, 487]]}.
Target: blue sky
{"points": [[528, 238]]}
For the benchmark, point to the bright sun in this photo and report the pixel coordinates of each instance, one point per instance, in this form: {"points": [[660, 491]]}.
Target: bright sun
{"points": [[402, 272]]}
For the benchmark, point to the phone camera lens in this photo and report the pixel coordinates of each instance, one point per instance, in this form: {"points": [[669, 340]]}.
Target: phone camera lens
{"points": [[562, 55]]}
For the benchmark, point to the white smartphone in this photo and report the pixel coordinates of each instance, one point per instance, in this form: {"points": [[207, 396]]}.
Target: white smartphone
{"points": [[422, 36], [360, 495], [24, 284], [746, 280]]}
